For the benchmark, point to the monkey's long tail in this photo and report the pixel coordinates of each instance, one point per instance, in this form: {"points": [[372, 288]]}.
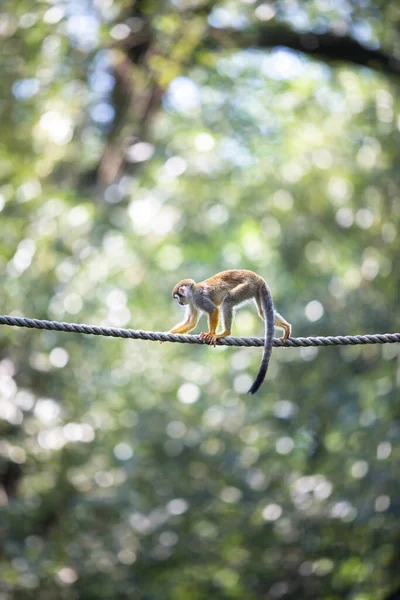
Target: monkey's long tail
{"points": [[268, 309]]}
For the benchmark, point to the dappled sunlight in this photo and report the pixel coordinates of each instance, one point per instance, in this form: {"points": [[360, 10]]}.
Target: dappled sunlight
{"points": [[143, 144]]}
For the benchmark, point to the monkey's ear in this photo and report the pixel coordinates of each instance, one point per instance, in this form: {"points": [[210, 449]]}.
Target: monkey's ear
{"points": [[182, 290]]}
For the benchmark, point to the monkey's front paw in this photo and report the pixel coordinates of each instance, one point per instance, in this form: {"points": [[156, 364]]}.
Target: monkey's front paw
{"points": [[208, 338]]}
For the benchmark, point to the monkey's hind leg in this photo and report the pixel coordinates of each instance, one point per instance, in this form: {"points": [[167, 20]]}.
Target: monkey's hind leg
{"points": [[279, 321]]}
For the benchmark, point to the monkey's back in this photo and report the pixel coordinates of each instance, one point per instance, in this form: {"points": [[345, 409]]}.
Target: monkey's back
{"points": [[234, 277], [222, 283]]}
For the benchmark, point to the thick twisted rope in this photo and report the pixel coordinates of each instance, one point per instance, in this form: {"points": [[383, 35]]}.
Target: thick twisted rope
{"points": [[340, 340]]}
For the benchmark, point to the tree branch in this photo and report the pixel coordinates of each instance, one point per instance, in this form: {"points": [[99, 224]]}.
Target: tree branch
{"points": [[327, 46]]}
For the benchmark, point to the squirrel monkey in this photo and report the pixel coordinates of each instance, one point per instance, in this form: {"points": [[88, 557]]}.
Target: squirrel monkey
{"points": [[223, 292]]}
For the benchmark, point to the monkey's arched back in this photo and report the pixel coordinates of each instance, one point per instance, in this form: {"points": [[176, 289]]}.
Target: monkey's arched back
{"points": [[221, 293]]}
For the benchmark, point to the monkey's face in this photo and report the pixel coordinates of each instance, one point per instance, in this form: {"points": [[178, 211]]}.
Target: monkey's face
{"points": [[180, 299], [183, 292], [181, 296]]}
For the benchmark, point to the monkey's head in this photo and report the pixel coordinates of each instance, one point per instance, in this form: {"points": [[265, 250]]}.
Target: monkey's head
{"points": [[182, 292]]}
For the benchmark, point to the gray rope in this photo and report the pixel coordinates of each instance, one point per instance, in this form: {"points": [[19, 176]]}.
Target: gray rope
{"points": [[340, 340]]}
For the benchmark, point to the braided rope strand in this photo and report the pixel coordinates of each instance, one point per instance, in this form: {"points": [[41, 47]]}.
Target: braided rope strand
{"points": [[340, 340]]}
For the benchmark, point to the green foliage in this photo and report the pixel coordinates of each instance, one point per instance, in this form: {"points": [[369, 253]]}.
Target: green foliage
{"points": [[134, 470]]}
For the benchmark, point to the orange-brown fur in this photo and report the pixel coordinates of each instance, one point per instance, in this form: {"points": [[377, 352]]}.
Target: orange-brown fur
{"points": [[221, 293]]}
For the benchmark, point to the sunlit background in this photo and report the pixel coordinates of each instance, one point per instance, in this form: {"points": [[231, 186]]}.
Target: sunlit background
{"points": [[146, 142]]}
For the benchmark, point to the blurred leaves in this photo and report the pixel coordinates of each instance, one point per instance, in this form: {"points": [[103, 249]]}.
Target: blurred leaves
{"points": [[143, 143]]}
